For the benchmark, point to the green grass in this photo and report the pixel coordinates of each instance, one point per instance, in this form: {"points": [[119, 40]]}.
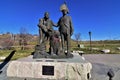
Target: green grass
{"points": [[18, 54], [5, 52], [22, 53], [112, 45]]}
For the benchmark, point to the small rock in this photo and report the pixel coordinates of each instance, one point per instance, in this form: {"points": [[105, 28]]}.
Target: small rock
{"points": [[105, 51], [82, 46], [78, 51], [2, 58], [118, 48], [95, 48]]}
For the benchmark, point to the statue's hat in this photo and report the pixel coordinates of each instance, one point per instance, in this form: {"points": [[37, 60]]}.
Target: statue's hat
{"points": [[64, 7]]}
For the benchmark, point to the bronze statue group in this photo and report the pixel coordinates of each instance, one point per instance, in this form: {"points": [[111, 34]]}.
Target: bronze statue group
{"points": [[57, 39]]}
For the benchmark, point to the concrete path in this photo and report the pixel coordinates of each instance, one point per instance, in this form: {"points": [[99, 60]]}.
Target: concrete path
{"points": [[102, 63], [3, 75]]}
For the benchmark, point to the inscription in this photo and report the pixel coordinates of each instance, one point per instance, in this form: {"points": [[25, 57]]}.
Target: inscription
{"points": [[49, 60]]}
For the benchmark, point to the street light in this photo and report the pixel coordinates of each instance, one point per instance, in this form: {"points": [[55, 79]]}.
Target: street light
{"points": [[90, 40]]}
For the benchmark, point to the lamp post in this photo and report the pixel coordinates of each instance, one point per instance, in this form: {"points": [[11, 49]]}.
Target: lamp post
{"points": [[90, 40]]}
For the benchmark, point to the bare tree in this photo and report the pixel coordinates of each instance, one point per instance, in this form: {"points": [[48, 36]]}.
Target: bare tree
{"points": [[6, 42], [77, 37], [23, 38]]}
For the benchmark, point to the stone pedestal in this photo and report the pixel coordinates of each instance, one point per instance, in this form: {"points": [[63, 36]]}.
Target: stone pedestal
{"points": [[50, 69]]}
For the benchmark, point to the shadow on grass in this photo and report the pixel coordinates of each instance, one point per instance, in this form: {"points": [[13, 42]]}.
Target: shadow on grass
{"points": [[7, 59]]}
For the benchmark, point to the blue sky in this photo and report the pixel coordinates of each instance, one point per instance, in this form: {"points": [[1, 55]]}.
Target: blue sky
{"points": [[101, 17]]}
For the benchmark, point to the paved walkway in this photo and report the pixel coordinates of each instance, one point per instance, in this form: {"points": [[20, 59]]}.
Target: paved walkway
{"points": [[3, 75], [102, 63]]}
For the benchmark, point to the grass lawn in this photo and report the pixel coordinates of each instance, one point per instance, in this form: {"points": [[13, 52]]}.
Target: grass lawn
{"points": [[111, 45], [100, 45], [18, 54]]}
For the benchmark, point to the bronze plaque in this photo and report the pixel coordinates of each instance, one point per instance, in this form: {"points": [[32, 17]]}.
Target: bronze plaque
{"points": [[48, 70]]}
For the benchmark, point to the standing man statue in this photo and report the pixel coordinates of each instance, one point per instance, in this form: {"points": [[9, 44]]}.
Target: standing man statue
{"points": [[65, 27]]}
